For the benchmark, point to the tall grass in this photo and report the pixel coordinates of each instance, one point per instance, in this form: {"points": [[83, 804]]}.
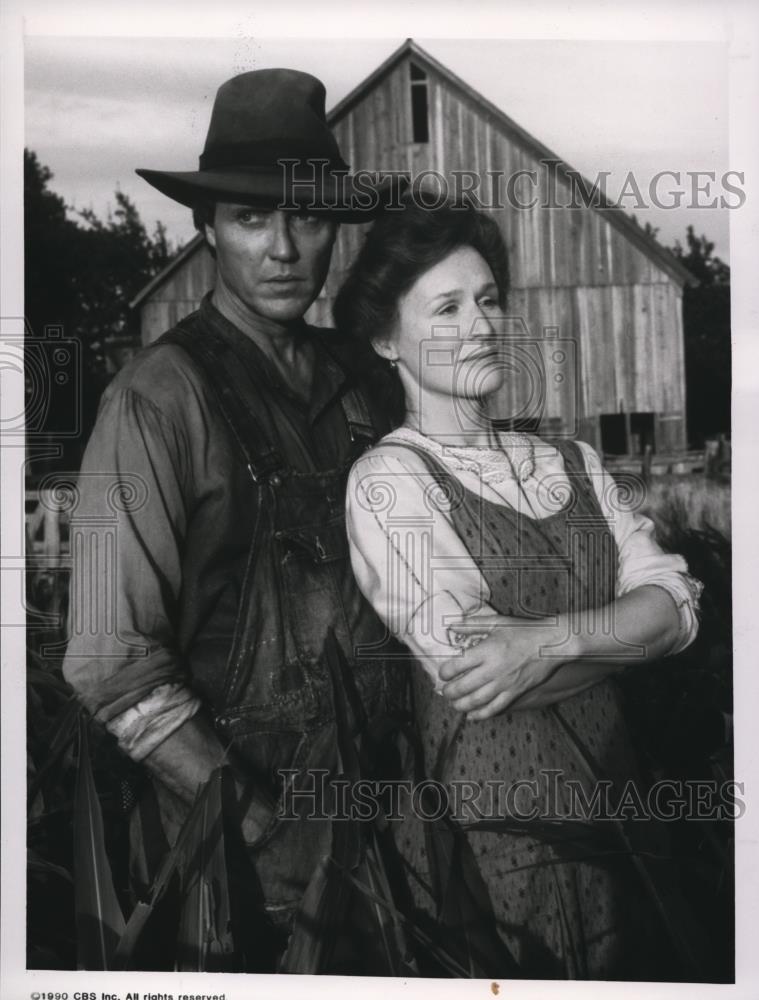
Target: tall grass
{"points": [[680, 708], [688, 503]]}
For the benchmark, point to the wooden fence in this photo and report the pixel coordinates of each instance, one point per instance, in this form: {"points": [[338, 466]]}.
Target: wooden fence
{"points": [[48, 557]]}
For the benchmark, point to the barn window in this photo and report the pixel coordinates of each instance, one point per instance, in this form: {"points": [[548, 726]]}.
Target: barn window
{"points": [[420, 128], [627, 433]]}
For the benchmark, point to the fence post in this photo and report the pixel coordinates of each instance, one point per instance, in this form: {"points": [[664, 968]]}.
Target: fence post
{"points": [[51, 544], [645, 468], [711, 458]]}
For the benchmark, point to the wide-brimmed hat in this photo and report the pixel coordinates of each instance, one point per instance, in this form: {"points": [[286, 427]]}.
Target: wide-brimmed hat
{"points": [[269, 144]]}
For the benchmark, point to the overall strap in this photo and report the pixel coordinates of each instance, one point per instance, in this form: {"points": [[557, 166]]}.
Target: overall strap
{"points": [[570, 452], [232, 388], [574, 464], [363, 431]]}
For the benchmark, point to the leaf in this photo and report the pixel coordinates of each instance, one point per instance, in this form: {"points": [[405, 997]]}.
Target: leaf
{"points": [[38, 676], [570, 839], [688, 940], [99, 920], [320, 917], [320, 923], [35, 807], [433, 949], [205, 936], [464, 907], [447, 750], [62, 735], [128, 941], [316, 922], [348, 709], [399, 960], [40, 865], [175, 860]]}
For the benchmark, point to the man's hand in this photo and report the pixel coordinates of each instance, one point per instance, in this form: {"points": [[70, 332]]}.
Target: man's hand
{"points": [[186, 760], [255, 808], [514, 656]]}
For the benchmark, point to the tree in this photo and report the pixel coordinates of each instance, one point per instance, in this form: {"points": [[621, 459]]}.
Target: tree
{"points": [[706, 325], [700, 260], [81, 273], [127, 258], [49, 294]]}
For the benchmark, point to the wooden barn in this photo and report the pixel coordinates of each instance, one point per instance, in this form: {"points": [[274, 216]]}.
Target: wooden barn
{"points": [[595, 297]]}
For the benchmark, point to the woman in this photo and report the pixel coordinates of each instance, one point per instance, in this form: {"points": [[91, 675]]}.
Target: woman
{"points": [[519, 584]]}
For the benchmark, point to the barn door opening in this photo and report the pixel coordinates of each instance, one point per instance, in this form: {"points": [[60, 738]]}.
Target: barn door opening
{"points": [[627, 433], [613, 434], [641, 433]]}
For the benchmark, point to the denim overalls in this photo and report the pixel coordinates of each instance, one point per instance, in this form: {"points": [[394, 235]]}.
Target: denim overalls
{"points": [[276, 708]]}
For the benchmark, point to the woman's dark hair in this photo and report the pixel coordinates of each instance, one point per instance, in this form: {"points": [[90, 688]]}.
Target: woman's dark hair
{"points": [[401, 246]]}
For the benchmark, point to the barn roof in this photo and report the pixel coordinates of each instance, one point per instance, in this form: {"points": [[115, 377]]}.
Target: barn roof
{"points": [[615, 215], [187, 251]]}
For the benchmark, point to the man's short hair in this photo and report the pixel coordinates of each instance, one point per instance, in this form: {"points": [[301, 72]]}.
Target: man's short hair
{"points": [[203, 214]]}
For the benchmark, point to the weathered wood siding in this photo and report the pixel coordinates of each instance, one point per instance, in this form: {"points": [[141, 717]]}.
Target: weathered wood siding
{"points": [[178, 295]]}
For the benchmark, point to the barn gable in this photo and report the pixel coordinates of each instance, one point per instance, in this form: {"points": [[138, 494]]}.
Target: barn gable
{"points": [[375, 126], [586, 276]]}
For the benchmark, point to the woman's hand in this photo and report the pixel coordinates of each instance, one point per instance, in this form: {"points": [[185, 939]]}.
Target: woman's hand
{"points": [[518, 655], [513, 656]]}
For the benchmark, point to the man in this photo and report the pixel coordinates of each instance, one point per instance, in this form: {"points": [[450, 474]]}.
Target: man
{"points": [[230, 441]]}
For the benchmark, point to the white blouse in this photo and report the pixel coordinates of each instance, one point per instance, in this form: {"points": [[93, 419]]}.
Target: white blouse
{"points": [[418, 574]]}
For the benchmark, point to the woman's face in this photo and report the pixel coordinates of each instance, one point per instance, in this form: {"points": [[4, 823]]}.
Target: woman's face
{"points": [[444, 341]]}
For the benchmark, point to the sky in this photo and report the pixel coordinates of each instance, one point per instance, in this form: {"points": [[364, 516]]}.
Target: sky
{"points": [[97, 107]]}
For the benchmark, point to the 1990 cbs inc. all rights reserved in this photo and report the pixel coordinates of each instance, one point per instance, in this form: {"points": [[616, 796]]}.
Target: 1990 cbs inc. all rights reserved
{"points": [[132, 995]]}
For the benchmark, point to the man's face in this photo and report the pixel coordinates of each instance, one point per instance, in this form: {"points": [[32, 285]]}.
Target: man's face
{"points": [[271, 263]]}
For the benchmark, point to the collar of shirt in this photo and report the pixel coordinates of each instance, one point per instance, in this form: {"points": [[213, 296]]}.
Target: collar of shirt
{"points": [[329, 377]]}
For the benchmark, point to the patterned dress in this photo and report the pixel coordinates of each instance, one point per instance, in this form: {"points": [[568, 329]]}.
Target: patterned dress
{"points": [[578, 919]]}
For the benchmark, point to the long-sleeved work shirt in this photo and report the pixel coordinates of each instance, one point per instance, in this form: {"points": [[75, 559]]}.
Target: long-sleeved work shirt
{"points": [[161, 531]]}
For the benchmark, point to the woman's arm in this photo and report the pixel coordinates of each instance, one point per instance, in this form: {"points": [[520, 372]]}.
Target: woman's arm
{"points": [[641, 560], [568, 680], [655, 614], [406, 556], [522, 664]]}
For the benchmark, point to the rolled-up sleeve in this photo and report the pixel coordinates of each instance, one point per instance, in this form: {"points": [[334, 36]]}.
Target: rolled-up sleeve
{"points": [[127, 530], [642, 561]]}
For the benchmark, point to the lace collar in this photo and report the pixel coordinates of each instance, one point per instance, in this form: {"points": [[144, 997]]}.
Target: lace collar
{"points": [[512, 458]]}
